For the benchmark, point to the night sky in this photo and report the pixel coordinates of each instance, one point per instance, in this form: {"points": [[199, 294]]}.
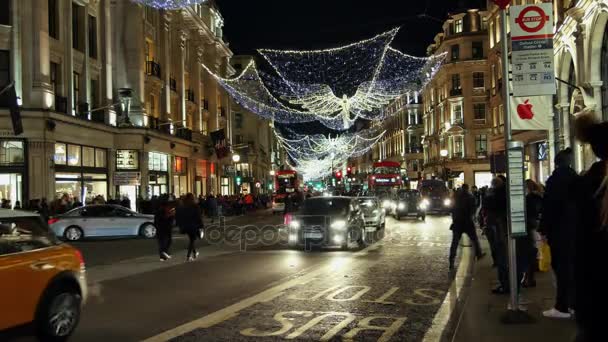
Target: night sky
{"points": [[313, 24]]}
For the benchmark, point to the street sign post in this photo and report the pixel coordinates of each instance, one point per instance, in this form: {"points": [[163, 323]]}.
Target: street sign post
{"points": [[532, 49], [529, 25]]}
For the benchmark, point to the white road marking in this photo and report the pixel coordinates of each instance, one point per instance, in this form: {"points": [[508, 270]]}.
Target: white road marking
{"points": [[234, 309], [442, 316]]}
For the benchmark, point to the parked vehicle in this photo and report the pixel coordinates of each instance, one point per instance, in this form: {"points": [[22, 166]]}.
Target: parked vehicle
{"points": [[331, 221], [106, 220], [410, 203], [43, 280]]}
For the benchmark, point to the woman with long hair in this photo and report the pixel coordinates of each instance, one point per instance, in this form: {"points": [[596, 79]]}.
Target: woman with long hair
{"points": [[189, 220]]}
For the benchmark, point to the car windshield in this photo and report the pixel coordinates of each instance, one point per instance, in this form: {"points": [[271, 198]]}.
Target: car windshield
{"points": [[22, 234], [326, 206], [386, 170], [368, 205], [408, 194], [433, 188]]}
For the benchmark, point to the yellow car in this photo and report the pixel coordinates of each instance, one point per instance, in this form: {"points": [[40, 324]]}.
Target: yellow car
{"points": [[42, 281]]}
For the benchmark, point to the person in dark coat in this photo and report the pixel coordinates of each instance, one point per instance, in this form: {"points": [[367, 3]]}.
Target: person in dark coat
{"points": [[189, 220], [495, 208], [527, 245], [591, 278], [126, 202], [558, 227], [163, 221], [462, 217], [212, 207]]}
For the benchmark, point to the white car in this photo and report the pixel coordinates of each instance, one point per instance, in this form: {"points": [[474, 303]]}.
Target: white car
{"points": [[104, 220], [278, 205]]}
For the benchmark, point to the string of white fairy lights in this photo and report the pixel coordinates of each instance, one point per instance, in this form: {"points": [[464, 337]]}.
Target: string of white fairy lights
{"points": [[169, 4], [315, 156], [334, 86]]}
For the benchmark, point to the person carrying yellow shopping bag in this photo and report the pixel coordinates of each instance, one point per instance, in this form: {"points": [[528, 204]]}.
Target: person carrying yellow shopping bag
{"points": [[544, 261], [558, 227]]}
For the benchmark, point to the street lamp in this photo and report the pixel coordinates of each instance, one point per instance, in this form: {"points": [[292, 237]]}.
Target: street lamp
{"points": [[444, 153], [272, 173], [236, 158]]}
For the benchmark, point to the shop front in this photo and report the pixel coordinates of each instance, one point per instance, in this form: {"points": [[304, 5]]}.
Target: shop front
{"points": [[127, 177], [180, 176], [12, 172], [200, 180], [81, 172], [158, 174]]}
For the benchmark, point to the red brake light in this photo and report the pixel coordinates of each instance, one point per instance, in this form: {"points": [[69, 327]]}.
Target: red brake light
{"points": [[52, 220], [80, 257]]}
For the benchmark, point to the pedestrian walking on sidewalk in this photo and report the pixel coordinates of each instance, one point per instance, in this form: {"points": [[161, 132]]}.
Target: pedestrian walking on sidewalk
{"points": [[591, 278], [462, 222], [189, 220], [558, 227], [163, 221], [495, 207]]}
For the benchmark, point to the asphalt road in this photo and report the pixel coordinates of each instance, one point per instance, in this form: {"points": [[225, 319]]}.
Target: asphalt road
{"points": [[264, 291]]}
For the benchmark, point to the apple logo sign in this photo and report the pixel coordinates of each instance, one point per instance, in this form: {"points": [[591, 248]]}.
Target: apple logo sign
{"points": [[524, 110]]}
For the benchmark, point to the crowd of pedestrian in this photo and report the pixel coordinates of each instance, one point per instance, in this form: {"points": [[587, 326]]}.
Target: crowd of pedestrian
{"points": [[570, 214]]}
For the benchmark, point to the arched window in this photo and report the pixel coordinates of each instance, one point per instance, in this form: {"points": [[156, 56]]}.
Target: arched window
{"points": [[604, 66]]}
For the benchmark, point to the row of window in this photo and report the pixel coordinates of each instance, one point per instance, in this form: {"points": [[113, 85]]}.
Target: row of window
{"points": [[476, 51], [456, 115], [478, 81], [80, 156], [456, 146], [78, 26]]}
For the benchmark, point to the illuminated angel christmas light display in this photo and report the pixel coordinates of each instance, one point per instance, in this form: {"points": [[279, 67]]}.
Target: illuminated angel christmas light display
{"points": [[334, 86], [314, 155]]}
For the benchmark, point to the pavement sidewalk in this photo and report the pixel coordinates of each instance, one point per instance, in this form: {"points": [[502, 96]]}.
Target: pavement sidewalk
{"points": [[480, 317]]}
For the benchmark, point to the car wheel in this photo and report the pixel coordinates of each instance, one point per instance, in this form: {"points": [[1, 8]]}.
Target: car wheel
{"points": [[423, 217], [73, 233], [148, 231], [58, 314]]}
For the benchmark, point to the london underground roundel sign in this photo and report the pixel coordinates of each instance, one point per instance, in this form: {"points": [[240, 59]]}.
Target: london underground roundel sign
{"points": [[532, 19]]}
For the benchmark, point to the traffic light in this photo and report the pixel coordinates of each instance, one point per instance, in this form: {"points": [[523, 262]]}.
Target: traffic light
{"points": [[238, 178], [339, 175]]}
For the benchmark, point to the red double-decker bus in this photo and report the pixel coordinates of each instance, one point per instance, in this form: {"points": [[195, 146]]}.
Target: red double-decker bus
{"points": [[386, 175], [285, 183]]}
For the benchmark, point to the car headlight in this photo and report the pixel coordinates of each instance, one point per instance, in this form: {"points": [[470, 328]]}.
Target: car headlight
{"points": [[339, 224], [401, 206], [447, 202], [294, 224], [425, 202], [386, 204], [423, 205]]}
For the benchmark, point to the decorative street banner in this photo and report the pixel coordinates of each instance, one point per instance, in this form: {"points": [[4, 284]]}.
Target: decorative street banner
{"points": [[532, 49], [531, 112]]}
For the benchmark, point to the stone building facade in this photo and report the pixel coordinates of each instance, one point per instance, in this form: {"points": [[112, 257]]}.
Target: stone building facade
{"points": [[77, 65], [456, 103]]}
